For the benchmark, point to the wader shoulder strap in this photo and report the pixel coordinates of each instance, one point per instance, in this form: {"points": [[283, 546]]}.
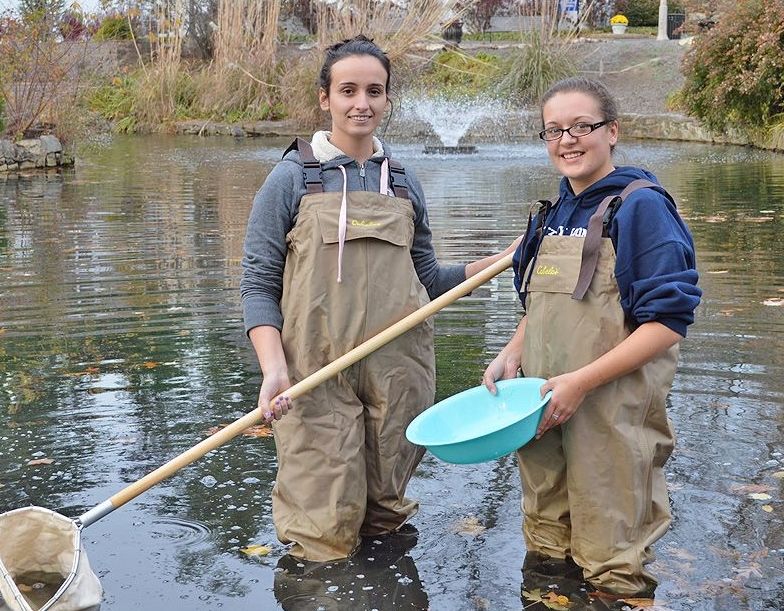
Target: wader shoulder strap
{"points": [[598, 226], [536, 225], [397, 179], [311, 168]]}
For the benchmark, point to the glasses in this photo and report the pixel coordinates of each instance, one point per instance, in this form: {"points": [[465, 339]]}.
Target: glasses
{"points": [[575, 131]]}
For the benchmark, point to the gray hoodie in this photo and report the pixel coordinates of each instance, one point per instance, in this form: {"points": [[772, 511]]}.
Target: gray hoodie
{"points": [[274, 213]]}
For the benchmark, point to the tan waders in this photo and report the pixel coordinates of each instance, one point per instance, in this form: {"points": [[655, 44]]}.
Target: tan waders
{"points": [[343, 459], [594, 487]]}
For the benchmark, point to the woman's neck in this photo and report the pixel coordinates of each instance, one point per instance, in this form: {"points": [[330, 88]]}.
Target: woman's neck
{"points": [[359, 150]]}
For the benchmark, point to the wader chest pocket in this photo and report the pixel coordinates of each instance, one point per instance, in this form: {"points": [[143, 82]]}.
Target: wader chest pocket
{"points": [[388, 226], [554, 273]]}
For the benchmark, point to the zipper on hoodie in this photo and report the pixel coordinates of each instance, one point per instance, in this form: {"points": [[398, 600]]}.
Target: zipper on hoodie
{"points": [[362, 175]]}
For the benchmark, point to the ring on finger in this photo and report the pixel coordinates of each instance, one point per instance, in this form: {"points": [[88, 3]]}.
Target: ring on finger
{"points": [[555, 416]]}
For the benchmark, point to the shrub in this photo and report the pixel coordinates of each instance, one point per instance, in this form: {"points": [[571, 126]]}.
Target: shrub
{"points": [[455, 73], [72, 26], [541, 62], [113, 27], [116, 101], [733, 73]]}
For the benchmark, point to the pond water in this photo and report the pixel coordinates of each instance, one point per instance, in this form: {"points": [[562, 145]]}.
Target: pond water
{"points": [[121, 345]]}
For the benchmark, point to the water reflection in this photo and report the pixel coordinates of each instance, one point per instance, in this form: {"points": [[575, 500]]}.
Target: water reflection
{"points": [[121, 344], [380, 575]]}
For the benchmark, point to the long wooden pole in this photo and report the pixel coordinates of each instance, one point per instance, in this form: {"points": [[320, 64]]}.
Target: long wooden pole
{"points": [[235, 428]]}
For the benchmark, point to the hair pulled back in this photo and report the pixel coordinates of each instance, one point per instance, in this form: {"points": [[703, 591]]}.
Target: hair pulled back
{"points": [[359, 45], [607, 104]]}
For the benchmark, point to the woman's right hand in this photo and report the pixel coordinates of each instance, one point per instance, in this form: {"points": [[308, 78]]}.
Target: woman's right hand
{"points": [[273, 385], [502, 367]]}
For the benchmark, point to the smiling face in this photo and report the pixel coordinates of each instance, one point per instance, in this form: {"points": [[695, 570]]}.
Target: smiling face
{"points": [[356, 100], [586, 159]]}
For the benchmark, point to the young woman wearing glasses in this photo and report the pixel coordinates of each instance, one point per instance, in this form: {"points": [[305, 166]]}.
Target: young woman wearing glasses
{"points": [[608, 282]]}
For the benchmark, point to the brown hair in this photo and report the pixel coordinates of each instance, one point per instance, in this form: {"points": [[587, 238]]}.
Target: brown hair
{"points": [[359, 45]]}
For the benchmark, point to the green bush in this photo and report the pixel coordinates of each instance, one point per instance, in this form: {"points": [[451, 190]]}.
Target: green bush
{"points": [[733, 72], [116, 101], [644, 12], [113, 27], [456, 73]]}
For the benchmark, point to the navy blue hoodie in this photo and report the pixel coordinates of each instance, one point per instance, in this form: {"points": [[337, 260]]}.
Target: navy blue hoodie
{"points": [[655, 264]]}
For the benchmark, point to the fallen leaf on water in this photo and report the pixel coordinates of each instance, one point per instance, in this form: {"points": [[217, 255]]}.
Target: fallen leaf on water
{"points": [[40, 461], [749, 488], [551, 600], [768, 508], [558, 599], [256, 550], [150, 364], [258, 430], [728, 311], [774, 301], [468, 526], [640, 603], [760, 496]]}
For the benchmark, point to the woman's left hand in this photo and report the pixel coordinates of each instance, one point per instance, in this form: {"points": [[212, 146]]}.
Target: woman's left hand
{"points": [[568, 394]]}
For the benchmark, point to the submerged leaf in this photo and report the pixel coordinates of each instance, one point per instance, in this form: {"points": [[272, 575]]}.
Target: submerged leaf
{"points": [[86, 372], [750, 488], [256, 550], [468, 526], [40, 461], [768, 508], [760, 496]]}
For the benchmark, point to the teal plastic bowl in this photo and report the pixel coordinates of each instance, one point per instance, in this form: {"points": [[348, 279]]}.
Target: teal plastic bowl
{"points": [[476, 426]]}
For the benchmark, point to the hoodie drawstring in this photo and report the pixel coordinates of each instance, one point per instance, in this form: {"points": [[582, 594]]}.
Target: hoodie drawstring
{"points": [[342, 221], [342, 224]]}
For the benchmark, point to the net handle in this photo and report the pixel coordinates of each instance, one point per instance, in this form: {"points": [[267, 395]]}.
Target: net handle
{"points": [[332, 369]]}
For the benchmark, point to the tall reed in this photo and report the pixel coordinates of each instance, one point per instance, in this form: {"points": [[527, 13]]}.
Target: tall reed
{"points": [[243, 76], [545, 54], [157, 94]]}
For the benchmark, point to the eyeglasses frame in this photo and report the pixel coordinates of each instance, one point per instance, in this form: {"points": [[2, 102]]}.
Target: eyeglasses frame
{"points": [[593, 127]]}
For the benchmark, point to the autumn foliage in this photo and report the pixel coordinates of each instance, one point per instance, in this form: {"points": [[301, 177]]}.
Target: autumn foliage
{"points": [[733, 73]]}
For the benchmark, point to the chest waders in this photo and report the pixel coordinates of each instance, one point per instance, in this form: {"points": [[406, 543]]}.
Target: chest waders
{"points": [[594, 487], [343, 459]]}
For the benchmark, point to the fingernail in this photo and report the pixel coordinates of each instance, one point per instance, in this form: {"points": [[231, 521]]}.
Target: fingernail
{"points": [[268, 415]]}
